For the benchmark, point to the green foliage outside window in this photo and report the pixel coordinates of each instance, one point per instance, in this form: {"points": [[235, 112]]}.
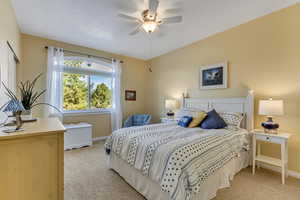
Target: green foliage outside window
{"points": [[73, 63], [76, 89], [75, 92], [101, 96]]}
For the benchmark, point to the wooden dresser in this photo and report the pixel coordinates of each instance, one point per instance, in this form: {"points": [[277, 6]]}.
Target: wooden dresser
{"points": [[32, 162]]}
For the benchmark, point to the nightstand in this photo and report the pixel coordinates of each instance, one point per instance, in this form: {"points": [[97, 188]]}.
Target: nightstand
{"points": [[168, 119], [282, 139]]}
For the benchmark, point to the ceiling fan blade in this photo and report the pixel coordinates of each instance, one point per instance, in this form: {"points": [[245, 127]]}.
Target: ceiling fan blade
{"points": [[153, 6], [170, 20], [137, 30], [128, 17], [173, 10]]}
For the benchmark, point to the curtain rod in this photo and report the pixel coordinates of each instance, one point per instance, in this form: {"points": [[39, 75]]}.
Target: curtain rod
{"points": [[12, 50], [85, 54]]}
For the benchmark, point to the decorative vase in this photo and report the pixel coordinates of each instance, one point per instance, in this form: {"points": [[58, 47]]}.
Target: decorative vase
{"points": [[26, 115]]}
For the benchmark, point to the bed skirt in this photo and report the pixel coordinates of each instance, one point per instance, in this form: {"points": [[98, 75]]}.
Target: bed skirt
{"points": [[151, 190]]}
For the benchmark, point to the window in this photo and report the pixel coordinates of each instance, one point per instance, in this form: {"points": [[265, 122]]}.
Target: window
{"points": [[87, 85]]}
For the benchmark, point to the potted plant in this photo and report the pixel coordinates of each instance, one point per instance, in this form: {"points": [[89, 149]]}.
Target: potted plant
{"points": [[28, 96]]}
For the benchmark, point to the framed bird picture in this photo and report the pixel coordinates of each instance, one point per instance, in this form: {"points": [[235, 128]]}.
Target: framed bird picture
{"points": [[130, 95], [213, 76]]}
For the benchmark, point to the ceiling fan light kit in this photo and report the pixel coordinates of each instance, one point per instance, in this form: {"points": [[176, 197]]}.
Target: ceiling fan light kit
{"points": [[149, 26], [150, 22]]}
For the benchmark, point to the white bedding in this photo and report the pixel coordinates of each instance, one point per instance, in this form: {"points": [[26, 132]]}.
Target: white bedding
{"points": [[151, 190], [177, 159]]}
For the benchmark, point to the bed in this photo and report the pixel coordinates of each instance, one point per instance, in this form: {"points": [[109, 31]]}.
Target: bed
{"points": [[169, 162]]}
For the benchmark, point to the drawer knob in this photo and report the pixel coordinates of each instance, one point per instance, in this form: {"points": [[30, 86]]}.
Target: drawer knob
{"points": [[268, 138]]}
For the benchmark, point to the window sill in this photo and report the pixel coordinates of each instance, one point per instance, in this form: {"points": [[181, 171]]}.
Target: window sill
{"points": [[86, 112]]}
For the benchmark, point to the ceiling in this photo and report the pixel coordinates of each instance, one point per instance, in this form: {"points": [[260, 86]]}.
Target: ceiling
{"points": [[95, 24]]}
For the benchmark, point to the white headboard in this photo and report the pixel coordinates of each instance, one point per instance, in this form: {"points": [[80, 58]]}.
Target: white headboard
{"points": [[243, 105]]}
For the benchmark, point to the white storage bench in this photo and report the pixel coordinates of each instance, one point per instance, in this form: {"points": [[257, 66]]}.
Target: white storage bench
{"points": [[78, 135]]}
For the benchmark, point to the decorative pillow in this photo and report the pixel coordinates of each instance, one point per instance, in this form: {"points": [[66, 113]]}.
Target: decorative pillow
{"points": [[197, 120], [213, 121], [232, 118], [185, 121]]}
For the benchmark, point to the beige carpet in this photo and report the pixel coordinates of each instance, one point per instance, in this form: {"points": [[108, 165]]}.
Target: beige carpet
{"points": [[87, 178]]}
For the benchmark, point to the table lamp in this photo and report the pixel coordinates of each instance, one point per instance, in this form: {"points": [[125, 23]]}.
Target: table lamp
{"points": [[170, 105], [16, 107], [270, 108]]}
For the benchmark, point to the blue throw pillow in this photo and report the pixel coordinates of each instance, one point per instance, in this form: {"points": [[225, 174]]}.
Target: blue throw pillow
{"points": [[185, 121], [213, 121]]}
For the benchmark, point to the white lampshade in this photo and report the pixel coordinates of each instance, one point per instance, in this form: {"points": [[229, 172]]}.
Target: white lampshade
{"points": [[171, 104], [270, 107]]}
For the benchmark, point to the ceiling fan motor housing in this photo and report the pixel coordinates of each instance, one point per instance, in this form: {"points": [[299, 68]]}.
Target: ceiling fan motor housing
{"points": [[148, 17]]}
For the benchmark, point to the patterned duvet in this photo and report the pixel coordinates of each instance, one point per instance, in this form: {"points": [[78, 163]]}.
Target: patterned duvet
{"points": [[179, 159]]}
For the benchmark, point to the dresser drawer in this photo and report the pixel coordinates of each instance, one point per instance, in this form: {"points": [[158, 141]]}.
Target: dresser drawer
{"points": [[270, 138]]}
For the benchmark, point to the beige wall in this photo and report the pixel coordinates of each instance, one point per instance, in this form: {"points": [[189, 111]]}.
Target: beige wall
{"points": [[9, 30], [134, 76], [263, 55]]}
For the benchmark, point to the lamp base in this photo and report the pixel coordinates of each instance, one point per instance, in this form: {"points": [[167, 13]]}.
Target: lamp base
{"points": [[270, 126], [170, 114]]}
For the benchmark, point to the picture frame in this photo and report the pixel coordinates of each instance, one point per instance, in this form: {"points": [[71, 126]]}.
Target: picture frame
{"points": [[214, 76], [130, 95]]}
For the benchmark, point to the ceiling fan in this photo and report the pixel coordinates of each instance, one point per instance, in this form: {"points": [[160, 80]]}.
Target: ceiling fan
{"points": [[150, 20]]}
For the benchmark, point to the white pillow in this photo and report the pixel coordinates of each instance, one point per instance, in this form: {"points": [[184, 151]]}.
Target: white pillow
{"points": [[187, 112], [232, 118]]}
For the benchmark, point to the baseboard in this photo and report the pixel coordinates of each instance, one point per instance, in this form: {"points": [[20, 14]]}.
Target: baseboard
{"points": [[278, 169], [99, 138]]}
